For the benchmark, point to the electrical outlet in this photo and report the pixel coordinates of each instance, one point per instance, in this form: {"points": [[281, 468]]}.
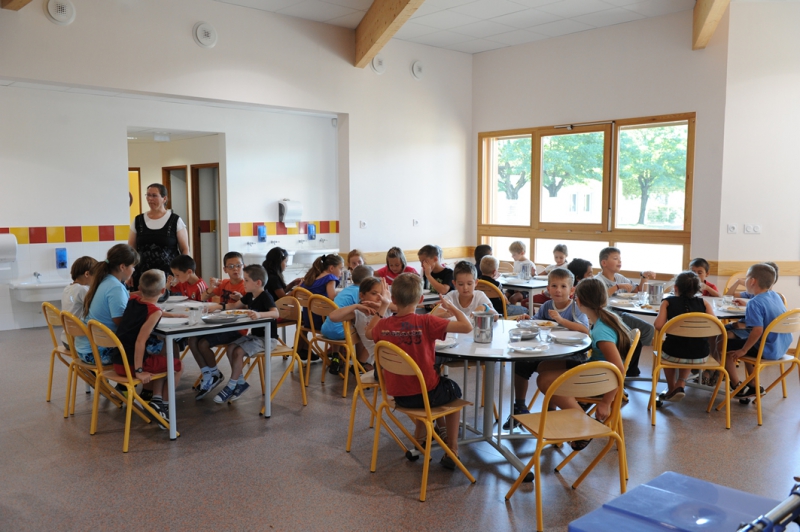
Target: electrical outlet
{"points": [[748, 229], [731, 229], [414, 223], [362, 224], [757, 229]]}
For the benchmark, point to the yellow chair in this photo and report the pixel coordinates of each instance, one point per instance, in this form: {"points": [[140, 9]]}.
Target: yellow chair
{"points": [[74, 328], [102, 336], [693, 325], [505, 267], [289, 310], [492, 292], [390, 358], [560, 426], [322, 306], [53, 317], [788, 322], [304, 296], [733, 280]]}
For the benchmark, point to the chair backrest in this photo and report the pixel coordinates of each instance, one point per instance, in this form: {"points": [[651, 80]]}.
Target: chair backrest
{"points": [[587, 380], [53, 317], [788, 322], [733, 279], [389, 357], [102, 336], [505, 267], [694, 325], [635, 340], [74, 328], [302, 295], [321, 305], [783, 298], [289, 308], [492, 292]]}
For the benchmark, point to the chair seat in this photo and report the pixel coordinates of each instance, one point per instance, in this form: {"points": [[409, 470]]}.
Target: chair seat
{"points": [[112, 375], [783, 360], [436, 411], [368, 379], [63, 351], [709, 363], [569, 424], [320, 338], [90, 367]]}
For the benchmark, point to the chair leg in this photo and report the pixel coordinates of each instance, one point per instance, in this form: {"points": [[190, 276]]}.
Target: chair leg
{"points": [[652, 404], [356, 393], [374, 463], [758, 394], [70, 370], [533, 399], [96, 406], [303, 384], [129, 412], [525, 472], [597, 461], [74, 393], [537, 479], [347, 362], [50, 377], [783, 380], [426, 461]]}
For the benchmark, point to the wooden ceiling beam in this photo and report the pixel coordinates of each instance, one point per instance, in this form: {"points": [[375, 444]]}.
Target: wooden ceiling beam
{"points": [[382, 21], [707, 14], [14, 5]]}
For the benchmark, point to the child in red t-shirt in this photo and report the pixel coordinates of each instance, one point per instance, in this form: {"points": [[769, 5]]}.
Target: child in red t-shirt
{"points": [[700, 267], [416, 335], [186, 282]]}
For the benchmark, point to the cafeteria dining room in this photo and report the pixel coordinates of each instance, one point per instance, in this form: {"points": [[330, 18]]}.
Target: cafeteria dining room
{"points": [[662, 128]]}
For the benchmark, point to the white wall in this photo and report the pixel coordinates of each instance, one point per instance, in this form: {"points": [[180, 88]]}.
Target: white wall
{"points": [[637, 69]]}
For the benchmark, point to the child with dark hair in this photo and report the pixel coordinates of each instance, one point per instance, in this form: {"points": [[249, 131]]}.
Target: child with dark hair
{"points": [[322, 279], [464, 297], [231, 289], [184, 280], [73, 295], [700, 268], [275, 264], [482, 250], [581, 269], [435, 275], [680, 349]]}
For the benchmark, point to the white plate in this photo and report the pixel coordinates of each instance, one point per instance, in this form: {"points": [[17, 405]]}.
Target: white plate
{"points": [[544, 323], [175, 299], [528, 348], [626, 295], [426, 292], [166, 323], [735, 309], [217, 319], [568, 337], [447, 342], [621, 303]]}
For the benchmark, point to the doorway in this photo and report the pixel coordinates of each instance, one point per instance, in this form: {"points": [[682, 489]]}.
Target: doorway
{"points": [[204, 231], [174, 178]]}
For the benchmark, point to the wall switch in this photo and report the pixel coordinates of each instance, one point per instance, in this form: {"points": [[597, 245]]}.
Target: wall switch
{"points": [[731, 229], [748, 229], [414, 223], [757, 229], [362, 224]]}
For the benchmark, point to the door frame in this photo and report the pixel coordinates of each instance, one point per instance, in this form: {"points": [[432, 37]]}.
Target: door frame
{"points": [[166, 180], [138, 171], [194, 200]]}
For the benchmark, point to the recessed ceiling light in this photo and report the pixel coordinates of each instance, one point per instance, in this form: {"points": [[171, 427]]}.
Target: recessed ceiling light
{"points": [[132, 138]]}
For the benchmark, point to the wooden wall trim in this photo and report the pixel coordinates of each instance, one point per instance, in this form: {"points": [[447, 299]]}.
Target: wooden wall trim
{"points": [[787, 268], [375, 258]]}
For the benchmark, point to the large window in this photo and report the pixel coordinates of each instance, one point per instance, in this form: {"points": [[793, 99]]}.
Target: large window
{"points": [[625, 183]]}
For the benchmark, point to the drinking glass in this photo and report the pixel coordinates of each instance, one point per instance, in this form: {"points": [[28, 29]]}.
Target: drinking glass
{"points": [[544, 335], [643, 298], [727, 300], [515, 335]]}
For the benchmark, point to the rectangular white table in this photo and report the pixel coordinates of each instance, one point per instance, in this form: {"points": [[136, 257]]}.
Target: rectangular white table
{"points": [[186, 331], [529, 286]]}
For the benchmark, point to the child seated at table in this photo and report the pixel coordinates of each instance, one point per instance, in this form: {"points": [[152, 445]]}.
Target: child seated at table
{"points": [[348, 296], [681, 349], [322, 279], [73, 294], [416, 334], [746, 294], [615, 282], [560, 255], [560, 309], [143, 349], [610, 340], [372, 293], [275, 264], [581, 269], [464, 297], [396, 264], [700, 268], [482, 250], [518, 250], [489, 274], [762, 310], [260, 305], [435, 276], [224, 292], [184, 281], [354, 259]]}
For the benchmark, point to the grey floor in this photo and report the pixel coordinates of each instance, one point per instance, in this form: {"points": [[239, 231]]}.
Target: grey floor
{"points": [[232, 469]]}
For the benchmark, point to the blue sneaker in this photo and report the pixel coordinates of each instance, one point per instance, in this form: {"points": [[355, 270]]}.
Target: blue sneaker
{"points": [[512, 423], [238, 391], [224, 395]]}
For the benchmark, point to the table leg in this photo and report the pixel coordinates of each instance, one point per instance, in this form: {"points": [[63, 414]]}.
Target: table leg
{"points": [[173, 428], [268, 370], [530, 303]]}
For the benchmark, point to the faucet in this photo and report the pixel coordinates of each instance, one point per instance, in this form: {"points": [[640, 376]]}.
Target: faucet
{"points": [[302, 240], [322, 240], [274, 242], [250, 244], [37, 275]]}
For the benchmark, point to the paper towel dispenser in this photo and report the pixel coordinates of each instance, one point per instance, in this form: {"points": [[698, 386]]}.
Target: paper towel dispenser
{"points": [[8, 248], [290, 211]]}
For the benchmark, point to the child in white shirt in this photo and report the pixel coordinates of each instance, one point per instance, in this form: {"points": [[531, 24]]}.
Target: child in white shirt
{"points": [[72, 297], [464, 297], [560, 256]]}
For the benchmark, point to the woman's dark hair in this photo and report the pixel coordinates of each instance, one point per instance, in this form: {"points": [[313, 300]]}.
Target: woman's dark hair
{"points": [[320, 265], [81, 266], [687, 284], [272, 264], [592, 294], [162, 190], [119, 255], [579, 267]]}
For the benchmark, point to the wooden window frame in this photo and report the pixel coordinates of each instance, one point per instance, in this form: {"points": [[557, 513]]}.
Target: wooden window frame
{"points": [[604, 232]]}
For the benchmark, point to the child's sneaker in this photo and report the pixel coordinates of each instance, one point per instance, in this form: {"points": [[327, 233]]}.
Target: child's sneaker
{"points": [[239, 390], [448, 462], [335, 366], [224, 395], [749, 391], [146, 395], [162, 410], [511, 421], [206, 387]]}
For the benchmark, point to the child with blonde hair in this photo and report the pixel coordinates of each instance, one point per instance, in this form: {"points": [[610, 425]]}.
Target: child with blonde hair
{"points": [[354, 259], [396, 264]]}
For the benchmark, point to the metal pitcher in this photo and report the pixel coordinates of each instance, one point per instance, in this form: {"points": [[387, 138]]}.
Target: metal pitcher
{"points": [[482, 330], [655, 291]]}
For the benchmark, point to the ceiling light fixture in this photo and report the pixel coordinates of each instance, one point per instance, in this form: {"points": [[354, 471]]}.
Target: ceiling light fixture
{"points": [[161, 137]]}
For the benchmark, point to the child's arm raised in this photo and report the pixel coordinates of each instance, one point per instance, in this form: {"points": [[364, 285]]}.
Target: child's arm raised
{"points": [[571, 325], [141, 343], [462, 323], [611, 354]]}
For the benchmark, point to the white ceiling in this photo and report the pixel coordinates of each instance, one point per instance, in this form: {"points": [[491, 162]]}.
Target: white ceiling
{"points": [[474, 26]]}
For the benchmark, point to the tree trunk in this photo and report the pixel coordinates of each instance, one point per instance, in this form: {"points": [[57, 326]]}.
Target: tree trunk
{"points": [[643, 206]]}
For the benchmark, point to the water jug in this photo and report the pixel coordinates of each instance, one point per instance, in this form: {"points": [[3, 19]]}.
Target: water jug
{"points": [[655, 291], [482, 330]]}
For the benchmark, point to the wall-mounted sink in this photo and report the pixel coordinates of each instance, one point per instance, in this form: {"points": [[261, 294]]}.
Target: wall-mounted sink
{"points": [[37, 290], [308, 256], [257, 257]]}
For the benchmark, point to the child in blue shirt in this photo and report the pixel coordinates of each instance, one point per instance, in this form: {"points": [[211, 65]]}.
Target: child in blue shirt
{"points": [[345, 298], [762, 309]]}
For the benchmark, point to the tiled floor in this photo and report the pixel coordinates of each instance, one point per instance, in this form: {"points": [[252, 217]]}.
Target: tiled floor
{"points": [[231, 469]]}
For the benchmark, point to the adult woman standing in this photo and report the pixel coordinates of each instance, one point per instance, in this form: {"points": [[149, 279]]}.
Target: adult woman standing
{"points": [[158, 235]]}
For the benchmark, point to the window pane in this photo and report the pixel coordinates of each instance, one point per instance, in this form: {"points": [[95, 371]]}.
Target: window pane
{"points": [[572, 178], [500, 246], [509, 186], [577, 249], [662, 258], [651, 178]]}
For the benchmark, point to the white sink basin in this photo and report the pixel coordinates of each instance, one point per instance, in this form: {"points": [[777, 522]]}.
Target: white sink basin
{"points": [[308, 256], [33, 290], [257, 257]]}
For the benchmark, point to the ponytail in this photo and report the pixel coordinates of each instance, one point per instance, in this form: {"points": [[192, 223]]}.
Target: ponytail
{"points": [[320, 266], [119, 255], [593, 295]]}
